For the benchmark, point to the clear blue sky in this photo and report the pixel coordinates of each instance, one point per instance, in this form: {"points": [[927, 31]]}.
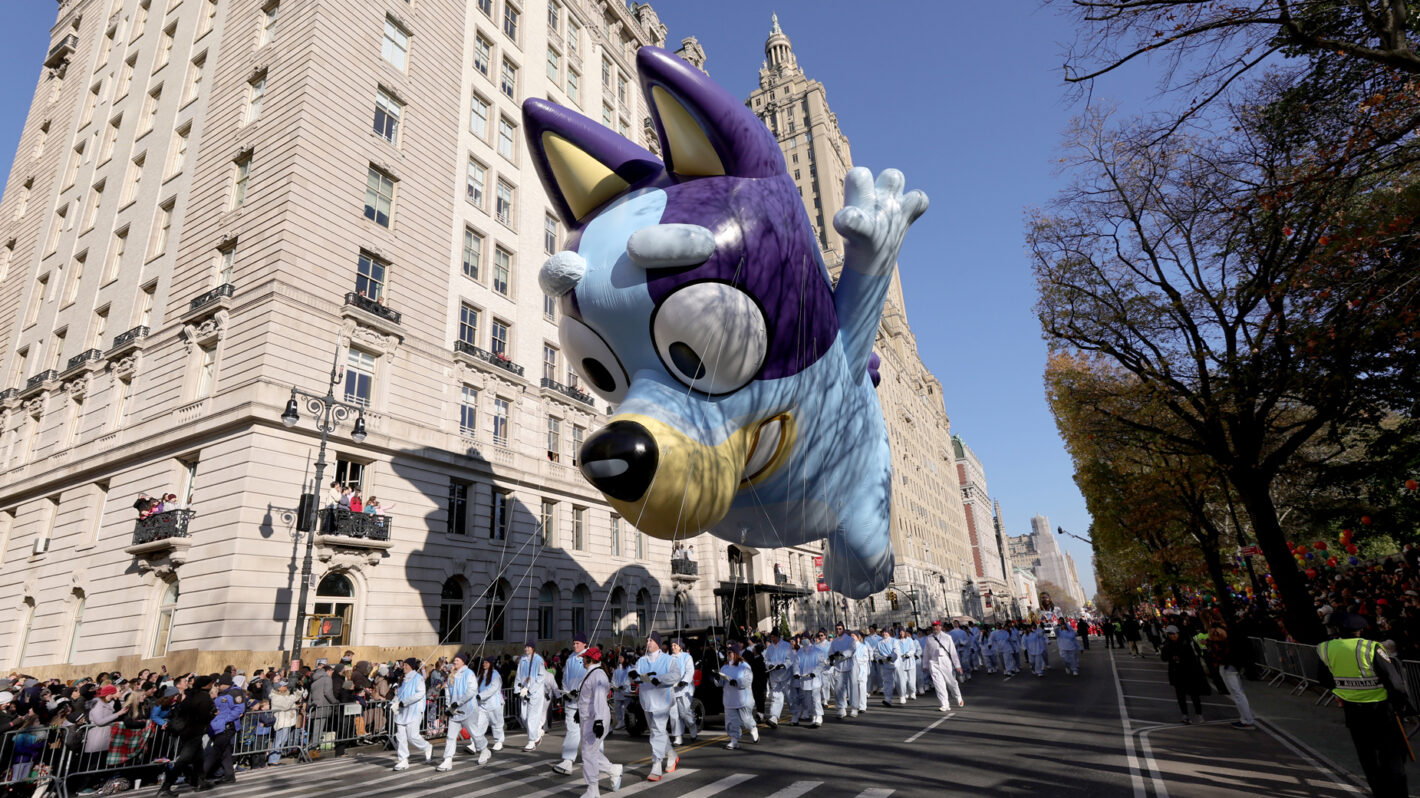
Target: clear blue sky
{"points": [[967, 100]]}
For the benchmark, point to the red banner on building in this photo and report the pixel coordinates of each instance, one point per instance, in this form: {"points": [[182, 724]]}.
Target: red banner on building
{"points": [[818, 572]]}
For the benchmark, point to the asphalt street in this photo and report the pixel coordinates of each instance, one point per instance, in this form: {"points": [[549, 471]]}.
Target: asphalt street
{"points": [[1113, 731]]}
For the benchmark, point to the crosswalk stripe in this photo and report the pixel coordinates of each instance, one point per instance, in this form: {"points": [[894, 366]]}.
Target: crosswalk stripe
{"points": [[719, 786], [647, 785], [406, 781], [796, 789], [875, 793]]}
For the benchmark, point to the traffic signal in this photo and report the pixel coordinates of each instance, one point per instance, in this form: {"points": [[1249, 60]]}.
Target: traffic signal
{"points": [[892, 595], [329, 626]]}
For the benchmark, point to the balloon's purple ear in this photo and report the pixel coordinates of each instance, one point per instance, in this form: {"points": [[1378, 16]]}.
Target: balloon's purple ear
{"points": [[582, 164], [704, 130]]}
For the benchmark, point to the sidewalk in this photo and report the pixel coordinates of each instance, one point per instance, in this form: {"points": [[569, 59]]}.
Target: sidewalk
{"points": [[1322, 729]]}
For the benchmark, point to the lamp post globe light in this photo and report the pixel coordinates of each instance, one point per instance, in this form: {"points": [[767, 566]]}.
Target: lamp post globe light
{"points": [[329, 413]]}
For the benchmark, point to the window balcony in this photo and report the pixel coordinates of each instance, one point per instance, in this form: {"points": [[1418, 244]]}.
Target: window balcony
{"points": [[373, 307], [59, 54], [223, 291], [8, 394], [482, 355], [128, 340], [82, 358], [569, 391], [162, 533], [342, 527], [33, 383], [685, 568]]}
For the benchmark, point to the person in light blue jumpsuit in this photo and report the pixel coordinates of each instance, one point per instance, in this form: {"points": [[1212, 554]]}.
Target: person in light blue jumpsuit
{"points": [[777, 657], [572, 674], [461, 692], [885, 658], [657, 674], [904, 664], [737, 680], [862, 666], [965, 646], [920, 679], [840, 665], [1067, 642], [808, 674], [1005, 653], [683, 715], [408, 713], [490, 712], [621, 690], [1016, 650], [1035, 644], [527, 685]]}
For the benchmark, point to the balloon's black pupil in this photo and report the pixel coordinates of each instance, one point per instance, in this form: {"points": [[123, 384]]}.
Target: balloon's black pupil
{"points": [[687, 361], [598, 374]]}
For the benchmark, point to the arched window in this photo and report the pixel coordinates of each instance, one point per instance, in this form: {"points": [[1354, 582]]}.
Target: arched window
{"points": [[27, 619], [166, 609], [335, 595], [616, 608], [451, 611], [494, 626], [581, 596], [643, 612], [547, 611], [680, 612], [76, 625]]}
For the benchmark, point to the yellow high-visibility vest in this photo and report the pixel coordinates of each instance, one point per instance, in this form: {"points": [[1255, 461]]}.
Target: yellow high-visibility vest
{"points": [[1352, 665]]}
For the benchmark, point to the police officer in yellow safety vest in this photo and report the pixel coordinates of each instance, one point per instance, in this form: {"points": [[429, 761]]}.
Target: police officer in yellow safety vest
{"points": [[1373, 696]]}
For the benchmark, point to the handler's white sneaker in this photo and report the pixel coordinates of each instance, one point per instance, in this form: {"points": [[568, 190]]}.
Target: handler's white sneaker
{"points": [[564, 767], [754, 733], [402, 764], [446, 765], [484, 756]]}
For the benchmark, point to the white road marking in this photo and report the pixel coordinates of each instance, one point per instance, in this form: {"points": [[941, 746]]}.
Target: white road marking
{"points": [[875, 793], [938, 722], [1309, 754], [1160, 790], [719, 786], [1135, 775], [1173, 701], [647, 785], [796, 789]]}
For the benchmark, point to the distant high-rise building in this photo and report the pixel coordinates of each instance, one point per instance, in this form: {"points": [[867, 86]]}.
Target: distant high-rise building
{"points": [[993, 582], [1040, 552]]}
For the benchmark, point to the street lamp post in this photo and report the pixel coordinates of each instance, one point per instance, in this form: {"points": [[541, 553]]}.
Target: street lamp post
{"points": [[329, 413]]}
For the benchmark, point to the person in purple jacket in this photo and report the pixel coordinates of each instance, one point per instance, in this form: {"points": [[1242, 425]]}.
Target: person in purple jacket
{"points": [[231, 704]]}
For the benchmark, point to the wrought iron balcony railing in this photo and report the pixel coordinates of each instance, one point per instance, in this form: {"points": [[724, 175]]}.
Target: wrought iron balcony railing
{"points": [[680, 567], [161, 526], [344, 523], [355, 300], [501, 361], [8, 394], [223, 290], [84, 357], [567, 390], [40, 378], [126, 338]]}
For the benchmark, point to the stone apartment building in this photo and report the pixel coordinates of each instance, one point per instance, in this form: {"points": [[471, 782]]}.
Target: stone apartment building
{"points": [[214, 201]]}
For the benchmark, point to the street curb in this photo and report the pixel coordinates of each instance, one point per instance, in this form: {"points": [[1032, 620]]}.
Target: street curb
{"points": [[1287, 738]]}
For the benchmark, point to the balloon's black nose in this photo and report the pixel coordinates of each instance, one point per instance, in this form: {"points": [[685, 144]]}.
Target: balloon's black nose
{"points": [[620, 460]]}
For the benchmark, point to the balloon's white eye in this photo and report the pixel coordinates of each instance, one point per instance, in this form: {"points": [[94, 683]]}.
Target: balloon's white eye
{"points": [[711, 336], [593, 360]]}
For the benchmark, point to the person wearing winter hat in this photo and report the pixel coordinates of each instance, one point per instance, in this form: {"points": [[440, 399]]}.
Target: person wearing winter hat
{"points": [[408, 712], [572, 675], [593, 716], [462, 696], [737, 680], [527, 685], [657, 674], [190, 718], [682, 714]]}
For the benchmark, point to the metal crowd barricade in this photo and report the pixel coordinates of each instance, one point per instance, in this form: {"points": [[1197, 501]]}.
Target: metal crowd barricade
{"points": [[327, 728], [1259, 657], [1411, 669], [30, 756], [1272, 655], [137, 754]]}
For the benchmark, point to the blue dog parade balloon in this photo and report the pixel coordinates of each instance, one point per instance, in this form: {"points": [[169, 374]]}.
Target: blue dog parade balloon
{"points": [[695, 300]]}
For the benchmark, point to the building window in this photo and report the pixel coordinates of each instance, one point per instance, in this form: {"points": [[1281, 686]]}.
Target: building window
{"points": [[165, 227], [581, 596], [359, 377], [71, 288], [511, 15], [554, 15], [370, 276], [549, 307], [579, 528], [549, 363], [548, 521], [335, 597], [468, 412], [226, 262], [350, 473], [499, 342], [640, 544], [468, 324], [578, 433], [123, 391], [477, 182], [618, 611], [509, 81], [150, 110], [502, 269], [499, 516], [76, 628], [209, 18], [501, 409], [76, 416], [478, 118], [96, 195], [145, 306], [100, 325], [72, 170], [241, 176], [379, 197], [547, 611], [550, 230], [194, 78], [387, 114], [206, 371], [395, 47], [643, 612], [178, 152], [574, 85], [554, 438], [451, 612], [165, 46], [486, 6], [130, 183], [125, 77], [606, 72], [269, 16], [456, 521], [494, 619], [505, 138], [482, 54], [621, 88], [574, 35], [615, 535], [167, 608], [554, 68], [472, 253], [504, 209], [606, 115]]}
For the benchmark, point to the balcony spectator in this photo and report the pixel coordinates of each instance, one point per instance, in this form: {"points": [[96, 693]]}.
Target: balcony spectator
{"points": [[346, 494], [144, 505], [334, 495], [375, 508], [357, 504]]}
